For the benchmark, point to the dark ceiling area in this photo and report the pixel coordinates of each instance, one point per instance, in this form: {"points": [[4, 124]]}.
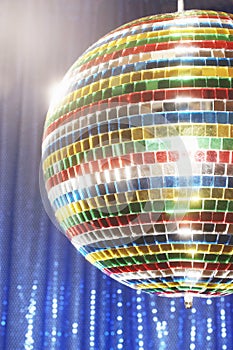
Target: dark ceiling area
{"points": [[132, 9], [219, 5], [171, 5]]}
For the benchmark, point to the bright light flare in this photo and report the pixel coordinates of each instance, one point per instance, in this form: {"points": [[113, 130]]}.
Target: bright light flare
{"points": [[185, 232], [56, 93], [194, 274], [182, 49], [192, 251], [195, 199]]}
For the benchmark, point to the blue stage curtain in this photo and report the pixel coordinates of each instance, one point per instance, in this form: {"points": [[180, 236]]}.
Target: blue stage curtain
{"points": [[50, 297]]}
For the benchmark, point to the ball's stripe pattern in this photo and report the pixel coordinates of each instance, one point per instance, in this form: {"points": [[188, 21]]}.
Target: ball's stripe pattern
{"points": [[138, 153]]}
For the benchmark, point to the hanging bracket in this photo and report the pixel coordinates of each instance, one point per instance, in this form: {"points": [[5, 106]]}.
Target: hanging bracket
{"points": [[180, 5], [188, 300]]}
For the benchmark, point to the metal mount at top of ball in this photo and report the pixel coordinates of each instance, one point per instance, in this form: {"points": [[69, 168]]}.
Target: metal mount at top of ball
{"points": [[180, 5]]}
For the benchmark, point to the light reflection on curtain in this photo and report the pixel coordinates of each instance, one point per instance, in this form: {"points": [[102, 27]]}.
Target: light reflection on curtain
{"points": [[50, 297]]}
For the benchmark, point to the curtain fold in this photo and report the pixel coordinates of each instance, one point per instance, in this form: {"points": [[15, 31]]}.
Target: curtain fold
{"points": [[50, 297]]}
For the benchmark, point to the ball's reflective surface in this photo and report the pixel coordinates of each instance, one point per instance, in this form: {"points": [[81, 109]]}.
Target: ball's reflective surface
{"points": [[137, 153]]}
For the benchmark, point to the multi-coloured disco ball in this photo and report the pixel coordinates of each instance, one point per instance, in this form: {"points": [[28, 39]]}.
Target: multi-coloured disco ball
{"points": [[137, 154]]}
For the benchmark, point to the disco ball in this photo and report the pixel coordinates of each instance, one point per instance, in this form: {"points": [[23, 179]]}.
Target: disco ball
{"points": [[137, 154]]}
